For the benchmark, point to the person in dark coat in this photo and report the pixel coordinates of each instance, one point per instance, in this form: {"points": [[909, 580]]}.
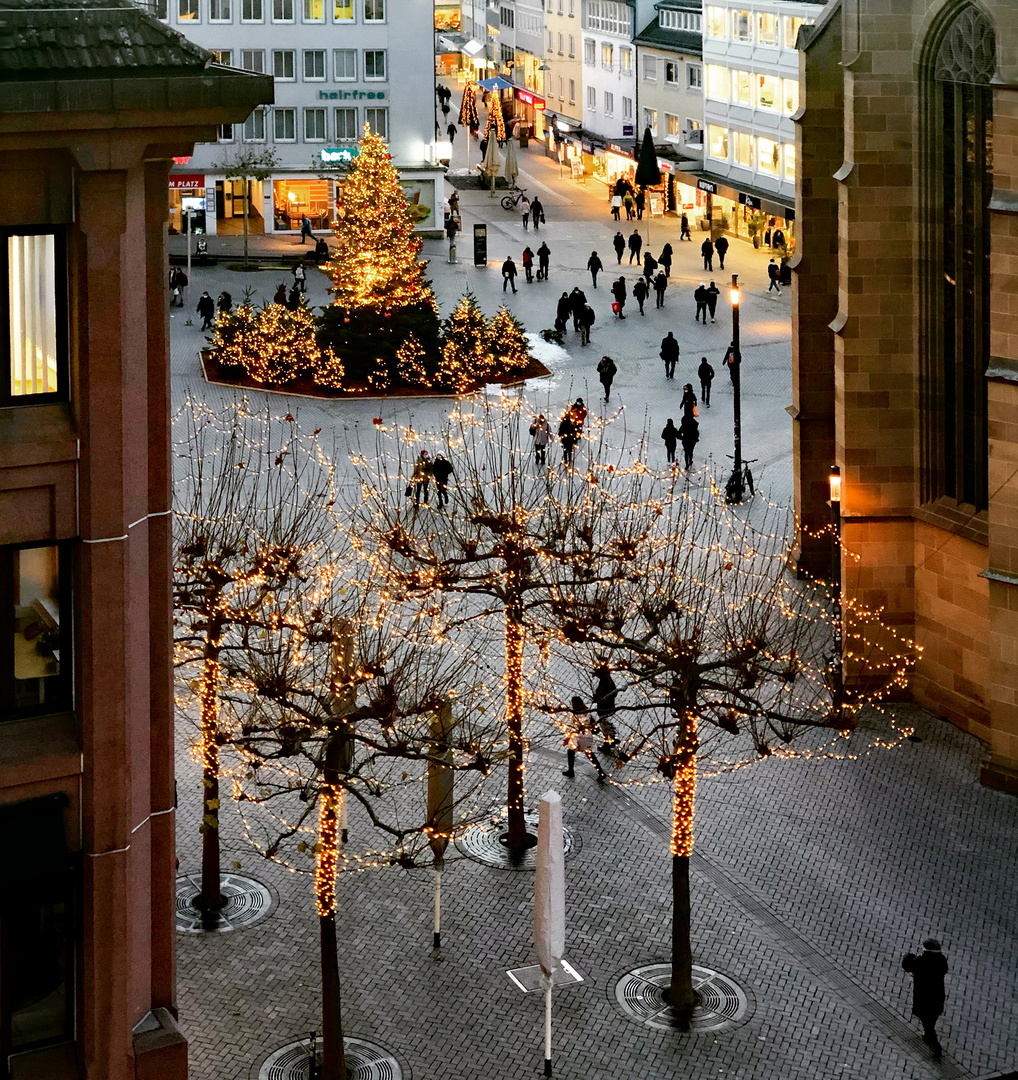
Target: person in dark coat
{"points": [[635, 243], [528, 265], [563, 310], [700, 296], [619, 292], [280, 297], [730, 361], [293, 298], [586, 322], [508, 274], [579, 302], [670, 354], [441, 470], [713, 292], [670, 435], [689, 436], [928, 969], [595, 266], [606, 370], [568, 436], [707, 251], [649, 266], [541, 433], [224, 303], [305, 229], [321, 249], [451, 132], [660, 284], [684, 233], [706, 373], [688, 401], [543, 259], [605, 693], [421, 477], [207, 310], [537, 212], [641, 201], [721, 247], [580, 737], [640, 291], [619, 243], [665, 259], [774, 272]]}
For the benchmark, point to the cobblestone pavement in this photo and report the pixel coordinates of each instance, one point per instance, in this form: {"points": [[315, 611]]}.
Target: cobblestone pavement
{"points": [[810, 878]]}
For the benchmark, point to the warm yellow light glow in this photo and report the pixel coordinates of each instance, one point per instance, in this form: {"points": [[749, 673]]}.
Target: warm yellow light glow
{"points": [[735, 297], [835, 481]]}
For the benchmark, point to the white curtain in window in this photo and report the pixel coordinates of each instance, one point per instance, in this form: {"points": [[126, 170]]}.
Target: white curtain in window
{"points": [[33, 314]]}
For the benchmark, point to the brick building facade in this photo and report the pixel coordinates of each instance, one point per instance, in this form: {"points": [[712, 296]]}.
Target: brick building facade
{"points": [[905, 356]]}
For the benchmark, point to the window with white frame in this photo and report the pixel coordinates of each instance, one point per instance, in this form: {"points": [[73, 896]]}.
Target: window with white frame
{"points": [[718, 142], [314, 125], [572, 9], [223, 57], [220, 11], [589, 50], [671, 72], [375, 65], [572, 91], [649, 68], [742, 25], [625, 60], [766, 28], [36, 325], [225, 133], [342, 11], [572, 46], [609, 103], [283, 64], [743, 149], [378, 120], [610, 16], [717, 82], [551, 42], [673, 126], [254, 127], [695, 131], [187, 11], [790, 96], [252, 11], [344, 64], [314, 65], [253, 60], [561, 87], [789, 149], [791, 27], [607, 55], [313, 11], [650, 120], [717, 22], [742, 88], [282, 10], [163, 10], [346, 125], [592, 98], [561, 45], [284, 125], [627, 108], [680, 20], [506, 17], [769, 156], [768, 87], [561, 9], [694, 76], [374, 11]]}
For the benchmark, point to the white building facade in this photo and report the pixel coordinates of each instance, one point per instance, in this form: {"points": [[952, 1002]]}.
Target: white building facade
{"points": [[609, 71], [337, 65], [750, 91]]}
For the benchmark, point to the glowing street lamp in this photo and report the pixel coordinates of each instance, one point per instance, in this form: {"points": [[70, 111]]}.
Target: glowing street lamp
{"points": [[837, 671], [735, 489]]}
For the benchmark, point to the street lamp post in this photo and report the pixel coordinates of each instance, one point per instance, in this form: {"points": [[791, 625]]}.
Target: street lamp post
{"points": [[837, 671], [735, 489]]}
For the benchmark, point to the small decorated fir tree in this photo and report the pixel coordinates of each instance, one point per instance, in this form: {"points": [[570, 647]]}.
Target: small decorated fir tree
{"points": [[465, 359], [507, 344]]}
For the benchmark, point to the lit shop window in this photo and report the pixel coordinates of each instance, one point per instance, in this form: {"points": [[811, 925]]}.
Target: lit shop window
{"points": [[718, 142], [768, 155], [36, 301]]}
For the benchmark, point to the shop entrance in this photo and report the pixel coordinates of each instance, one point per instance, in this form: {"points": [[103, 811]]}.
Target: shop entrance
{"points": [[230, 207]]}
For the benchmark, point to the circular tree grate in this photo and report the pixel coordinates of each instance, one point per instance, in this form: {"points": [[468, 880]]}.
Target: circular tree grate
{"points": [[364, 1061], [247, 902], [483, 843], [639, 995]]}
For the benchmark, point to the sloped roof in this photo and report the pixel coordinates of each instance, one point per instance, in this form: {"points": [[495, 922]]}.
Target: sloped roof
{"points": [[41, 39], [687, 41]]}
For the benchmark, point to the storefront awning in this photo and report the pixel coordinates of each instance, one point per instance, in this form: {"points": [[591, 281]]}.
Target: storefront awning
{"points": [[756, 198]]}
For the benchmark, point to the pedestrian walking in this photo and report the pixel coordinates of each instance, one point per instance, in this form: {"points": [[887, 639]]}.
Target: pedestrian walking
{"points": [[669, 354], [508, 274], [528, 265], [537, 212], [563, 310], [605, 694], [700, 296], [451, 132], [579, 413], [606, 370], [579, 302], [707, 251], [665, 259], [684, 233], [321, 249], [713, 292], [928, 970], [660, 284], [451, 228], [526, 208], [595, 266], [619, 243], [543, 259], [224, 303], [689, 436], [300, 276], [640, 291], [616, 205], [721, 247], [619, 292], [640, 200], [586, 322], [580, 737], [649, 266], [280, 297], [730, 361], [441, 470], [305, 229], [774, 272], [670, 436], [421, 477], [706, 375], [541, 433], [568, 435], [635, 243], [206, 309], [688, 401], [628, 203]]}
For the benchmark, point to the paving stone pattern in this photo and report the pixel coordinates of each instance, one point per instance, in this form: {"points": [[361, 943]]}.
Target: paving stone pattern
{"points": [[810, 877]]}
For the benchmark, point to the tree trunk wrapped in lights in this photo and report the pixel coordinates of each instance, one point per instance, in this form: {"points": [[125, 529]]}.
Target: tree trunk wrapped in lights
{"points": [[495, 124], [468, 117]]}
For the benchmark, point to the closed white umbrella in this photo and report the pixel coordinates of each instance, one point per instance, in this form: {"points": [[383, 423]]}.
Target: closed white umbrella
{"points": [[512, 167], [492, 162], [550, 904]]}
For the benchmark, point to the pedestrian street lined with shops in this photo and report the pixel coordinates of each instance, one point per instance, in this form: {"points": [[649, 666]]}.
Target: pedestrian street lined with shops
{"points": [[810, 878]]}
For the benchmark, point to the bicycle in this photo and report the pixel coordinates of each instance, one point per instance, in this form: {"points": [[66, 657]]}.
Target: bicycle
{"points": [[732, 492], [511, 201]]}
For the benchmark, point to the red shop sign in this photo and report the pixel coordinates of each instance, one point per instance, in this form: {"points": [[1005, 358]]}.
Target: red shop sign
{"points": [[187, 180], [530, 99]]}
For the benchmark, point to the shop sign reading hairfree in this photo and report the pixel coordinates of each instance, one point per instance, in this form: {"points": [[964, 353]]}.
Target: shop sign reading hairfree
{"points": [[351, 95]]}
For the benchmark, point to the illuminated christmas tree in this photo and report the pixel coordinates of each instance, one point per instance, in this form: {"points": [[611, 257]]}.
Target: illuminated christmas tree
{"points": [[507, 344], [466, 360], [495, 118], [468, 110]]}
